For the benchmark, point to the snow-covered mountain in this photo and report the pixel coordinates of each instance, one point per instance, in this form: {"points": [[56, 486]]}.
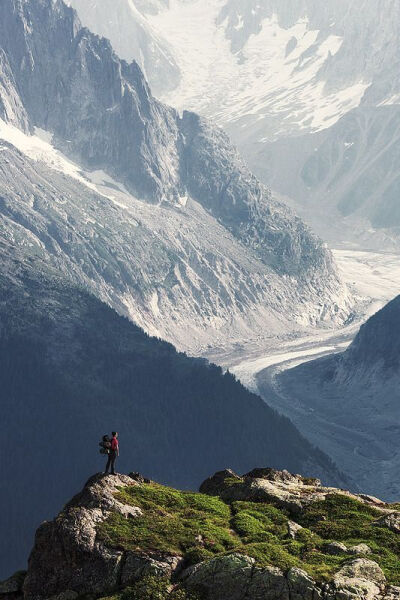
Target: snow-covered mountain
{"points": [[349, 403], [152, 211], [279, 75]]}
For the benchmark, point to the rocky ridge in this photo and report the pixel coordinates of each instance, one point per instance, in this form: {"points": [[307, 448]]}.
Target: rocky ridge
{"points": [[319, 122], [73, 556], [172, 173]]}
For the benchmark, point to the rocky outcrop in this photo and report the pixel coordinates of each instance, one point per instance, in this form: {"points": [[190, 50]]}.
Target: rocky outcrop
{"points": [[237, 577], [391, 521], [359, 578], [68, 558], [284, 489], [71, 559]]}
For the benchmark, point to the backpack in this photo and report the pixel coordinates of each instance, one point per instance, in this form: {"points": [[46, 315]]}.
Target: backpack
{"points": [[105, 445]]}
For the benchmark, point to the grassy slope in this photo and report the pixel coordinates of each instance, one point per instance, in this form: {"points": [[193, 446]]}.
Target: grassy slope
{"points": [[172, 520]]}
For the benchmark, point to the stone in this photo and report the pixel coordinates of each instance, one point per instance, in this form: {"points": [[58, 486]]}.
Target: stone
{"points": [[138, 477], [293, 529], [283, 489], [136, 566], [391, 521], [215, 484], [301, 585], [359, 578], [127, 511], [235, 577], [222, 578], [360, 549], [274, 475], [335, 548], [363, 568], [68, 555]]}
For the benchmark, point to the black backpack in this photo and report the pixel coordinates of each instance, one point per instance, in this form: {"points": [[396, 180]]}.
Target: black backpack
{"points": [[105, 445]]}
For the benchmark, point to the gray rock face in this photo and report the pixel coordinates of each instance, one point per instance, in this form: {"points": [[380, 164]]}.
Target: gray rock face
{"points": [[132, 38], [343, 180], [280, 488], [69, 558], [176, 272], [236, 577], [376, 347], [101, 111], [391, 521], [11, 108], [204, 249], [322, 61]]}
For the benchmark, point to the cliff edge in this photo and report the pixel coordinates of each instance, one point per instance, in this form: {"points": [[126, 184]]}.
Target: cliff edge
{"points": [[264, 535]]}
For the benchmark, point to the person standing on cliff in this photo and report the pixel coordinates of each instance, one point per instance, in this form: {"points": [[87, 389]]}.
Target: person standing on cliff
{"points": [[114, 452]]}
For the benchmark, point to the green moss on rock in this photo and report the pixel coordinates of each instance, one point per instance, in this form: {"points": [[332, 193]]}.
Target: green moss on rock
{"points": [[199, 527]]}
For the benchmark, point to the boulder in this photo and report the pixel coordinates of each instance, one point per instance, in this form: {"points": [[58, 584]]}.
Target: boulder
{"points": [[335, 548], [360, 549], [136, 566], [138, 477], [301, 585], [274, 475], [359, 578], [293, 529], [390, 520], [281, 488], [216, 483], [235, 577], [68, 557]]}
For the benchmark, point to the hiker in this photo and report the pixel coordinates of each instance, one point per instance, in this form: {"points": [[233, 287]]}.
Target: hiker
{"points": [[113, 453]]}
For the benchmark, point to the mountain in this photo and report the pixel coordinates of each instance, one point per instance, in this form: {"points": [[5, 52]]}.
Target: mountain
{"points": [[347, 172], [205, 255], [264, 534], [349, 403], [309, 92], [133, 38], [71, 368]]}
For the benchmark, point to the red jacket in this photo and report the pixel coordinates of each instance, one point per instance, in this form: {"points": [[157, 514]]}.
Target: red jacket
{"points": [[114, 444]]}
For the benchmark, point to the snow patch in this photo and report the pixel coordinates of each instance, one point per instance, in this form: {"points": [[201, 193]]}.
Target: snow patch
{"points": [[258, 82]]}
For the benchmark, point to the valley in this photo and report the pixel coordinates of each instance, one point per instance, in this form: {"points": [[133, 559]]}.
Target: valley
{"points": [[373, 278]]}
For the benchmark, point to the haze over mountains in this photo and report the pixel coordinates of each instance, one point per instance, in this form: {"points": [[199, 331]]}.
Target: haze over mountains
{"points": [[310, 92], [206, 254], [349, 403]]}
